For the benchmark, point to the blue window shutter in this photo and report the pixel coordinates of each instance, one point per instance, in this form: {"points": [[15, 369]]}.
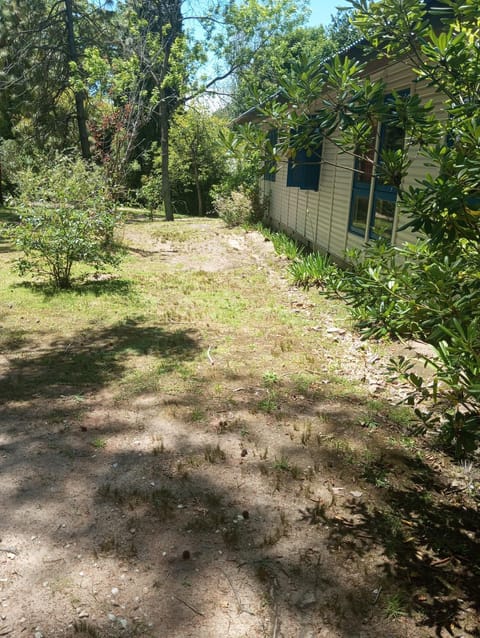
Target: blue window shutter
{"points": [[311, 175], [304, 171], [296, 170]]}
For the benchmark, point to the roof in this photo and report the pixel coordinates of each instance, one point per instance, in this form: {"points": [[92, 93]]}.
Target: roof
{"points": [[355, 49]]}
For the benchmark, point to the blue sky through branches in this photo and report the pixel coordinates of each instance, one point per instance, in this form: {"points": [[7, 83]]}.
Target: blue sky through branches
{"points": [[322, 10]]}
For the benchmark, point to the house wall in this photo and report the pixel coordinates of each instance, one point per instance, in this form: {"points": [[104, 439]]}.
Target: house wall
{"points": [[321, 218]]}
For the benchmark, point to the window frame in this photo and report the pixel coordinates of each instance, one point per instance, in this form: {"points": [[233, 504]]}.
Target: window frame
{"points": [[374, 190]]}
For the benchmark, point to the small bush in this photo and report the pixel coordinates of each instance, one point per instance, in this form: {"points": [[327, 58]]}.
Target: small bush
{"points": [[284, 245], [66, 217], [236, 209]]}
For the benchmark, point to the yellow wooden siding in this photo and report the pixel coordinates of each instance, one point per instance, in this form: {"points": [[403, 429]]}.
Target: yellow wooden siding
{"points": [[326, 188], [341, 205], [311, 217], [321, 218]]}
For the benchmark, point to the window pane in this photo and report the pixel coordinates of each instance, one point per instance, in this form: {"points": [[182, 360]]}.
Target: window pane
{"points": [[364, 164], [359, 213], [393, 138], [384, 216]]}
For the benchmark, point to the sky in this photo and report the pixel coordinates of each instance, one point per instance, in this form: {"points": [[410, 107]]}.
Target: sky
{"points": [[323, 9]]}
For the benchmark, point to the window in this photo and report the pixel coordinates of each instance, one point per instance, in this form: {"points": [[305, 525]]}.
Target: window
{"points": [[362, 180], [304, 170], [373, 201]]}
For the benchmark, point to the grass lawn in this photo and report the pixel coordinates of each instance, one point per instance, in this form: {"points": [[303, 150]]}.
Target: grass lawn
{"points": [[190, 446]]}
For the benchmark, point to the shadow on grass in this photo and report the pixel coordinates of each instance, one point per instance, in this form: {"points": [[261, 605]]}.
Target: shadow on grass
{"points": [[13, 339], [8, 216], [91, 359], [176, 499], [192, 540], [94, 285], [427, 530]]}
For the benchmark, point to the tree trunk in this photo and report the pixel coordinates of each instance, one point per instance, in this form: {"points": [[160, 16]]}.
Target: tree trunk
{"points": [[79, 95], [164, 146], [198, 187], [1, 186]]}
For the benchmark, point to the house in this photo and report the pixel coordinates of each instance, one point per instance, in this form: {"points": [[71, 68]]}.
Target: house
{"points": [[337, 202]]}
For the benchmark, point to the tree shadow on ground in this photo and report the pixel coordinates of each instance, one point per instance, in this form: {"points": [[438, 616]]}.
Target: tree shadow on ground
{"points": [[93, 284], [427, 532], [194, 536], [200, 518], [90, 359]]}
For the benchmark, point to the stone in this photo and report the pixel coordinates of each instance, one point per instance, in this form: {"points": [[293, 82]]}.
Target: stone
{"points": [[306, 599]]}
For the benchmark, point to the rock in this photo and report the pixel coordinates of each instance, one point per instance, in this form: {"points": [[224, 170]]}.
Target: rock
{"points": [[306, 599], [356, 494], [83, 614], [338, 331], [422, 349], [233, 243], [38, 634], [115, 591], [111, 617]]}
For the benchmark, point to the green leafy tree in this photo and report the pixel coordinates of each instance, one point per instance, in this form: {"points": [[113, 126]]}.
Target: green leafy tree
{"points": [[160, 58], [66, 218], [198, 162], [198, 158], [263, 76], [275, 60], [42, 45]]}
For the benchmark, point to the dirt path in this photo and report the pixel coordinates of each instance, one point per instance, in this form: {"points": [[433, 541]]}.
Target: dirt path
{"points": [[212, 453]]}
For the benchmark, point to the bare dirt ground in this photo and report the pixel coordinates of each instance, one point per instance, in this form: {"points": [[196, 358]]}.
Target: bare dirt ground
{"points": [[224, 460]]}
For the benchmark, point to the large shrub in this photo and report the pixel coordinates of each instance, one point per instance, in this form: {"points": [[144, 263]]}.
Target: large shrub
{"points": [[66, 218], [419, 291]]}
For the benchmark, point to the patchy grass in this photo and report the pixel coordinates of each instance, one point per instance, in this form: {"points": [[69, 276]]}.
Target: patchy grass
{"points": [[216, 427]]}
